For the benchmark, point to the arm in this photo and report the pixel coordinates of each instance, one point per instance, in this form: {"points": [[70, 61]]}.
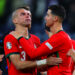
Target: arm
{"points": [[12, 52], [71, 53], [46, 48], [51, 61], [16, 60]]}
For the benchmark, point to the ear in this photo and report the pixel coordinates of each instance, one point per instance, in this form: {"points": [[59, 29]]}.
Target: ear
{"points": [[56, 18], [14, 20]]}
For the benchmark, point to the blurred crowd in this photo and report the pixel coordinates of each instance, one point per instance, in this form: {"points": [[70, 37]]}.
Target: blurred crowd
{"points": [[38, 9]]}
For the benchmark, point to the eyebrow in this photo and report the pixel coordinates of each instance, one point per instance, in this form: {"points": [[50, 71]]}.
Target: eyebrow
{"points": [[22, 13]]}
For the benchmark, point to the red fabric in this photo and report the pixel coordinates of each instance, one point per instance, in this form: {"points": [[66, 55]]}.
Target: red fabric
{"points": [[73, 42], [61, 43], [16, 48]]}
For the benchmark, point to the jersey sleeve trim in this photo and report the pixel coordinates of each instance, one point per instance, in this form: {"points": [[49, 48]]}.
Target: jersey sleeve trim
{"points": [[12, 54]]}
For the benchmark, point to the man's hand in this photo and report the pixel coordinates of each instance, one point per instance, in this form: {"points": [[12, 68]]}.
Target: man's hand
{"points": [[49, 33], [53, 61], [71, 53]]}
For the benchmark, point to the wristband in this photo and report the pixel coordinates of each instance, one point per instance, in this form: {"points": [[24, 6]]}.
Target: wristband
{"points": [[41, 62]]}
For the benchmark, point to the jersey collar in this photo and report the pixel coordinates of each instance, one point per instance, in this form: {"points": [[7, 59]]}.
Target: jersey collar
{"points": [[28, 36]]}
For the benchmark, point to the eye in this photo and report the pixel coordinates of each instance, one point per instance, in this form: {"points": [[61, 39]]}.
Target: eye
{"points": [[22, 13], [29, 14]]}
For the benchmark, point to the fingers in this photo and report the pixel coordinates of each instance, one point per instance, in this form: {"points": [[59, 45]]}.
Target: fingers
{"points": [[1, 57], [58, 60], [49, 33], [70, 52], [54, 61]]}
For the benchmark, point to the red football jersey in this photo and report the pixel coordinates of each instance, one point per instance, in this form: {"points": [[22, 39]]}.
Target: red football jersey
{"points": [[59, 44], [12, 46]]}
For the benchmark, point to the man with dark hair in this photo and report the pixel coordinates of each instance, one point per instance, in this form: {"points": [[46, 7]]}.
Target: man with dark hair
{"points": [[18, 61], [58, 44]]}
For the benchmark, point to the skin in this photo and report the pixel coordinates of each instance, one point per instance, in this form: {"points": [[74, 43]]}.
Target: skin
{"points": [[71, 53]]}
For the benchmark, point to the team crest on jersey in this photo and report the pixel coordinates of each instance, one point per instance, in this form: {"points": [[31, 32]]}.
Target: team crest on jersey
{"points": [[9, 45]]}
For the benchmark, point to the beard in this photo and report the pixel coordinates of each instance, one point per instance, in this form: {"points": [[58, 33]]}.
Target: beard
{"points": [[28, 25], [25, 24]]}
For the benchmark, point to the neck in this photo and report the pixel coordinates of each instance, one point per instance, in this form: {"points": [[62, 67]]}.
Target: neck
{"points": [[56, 27], [22, 30]]}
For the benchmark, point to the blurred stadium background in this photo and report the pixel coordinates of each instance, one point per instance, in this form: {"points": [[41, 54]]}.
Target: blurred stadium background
{"points": [[38, 9]]}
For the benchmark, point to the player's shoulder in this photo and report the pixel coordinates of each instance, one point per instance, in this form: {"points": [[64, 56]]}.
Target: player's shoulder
{"points": [[34, 36], [62, 34], [73, 41], [9, 37], [58, 35]]}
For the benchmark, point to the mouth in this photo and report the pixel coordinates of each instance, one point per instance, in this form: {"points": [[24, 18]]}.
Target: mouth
{"points": [[28, 20]]}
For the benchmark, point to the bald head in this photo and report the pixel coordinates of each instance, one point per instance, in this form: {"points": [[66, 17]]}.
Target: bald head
{"points": [[15, 13]]}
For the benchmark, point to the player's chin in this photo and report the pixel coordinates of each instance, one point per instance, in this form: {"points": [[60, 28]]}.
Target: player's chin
{"points": [[28, 25], [47, 24]]}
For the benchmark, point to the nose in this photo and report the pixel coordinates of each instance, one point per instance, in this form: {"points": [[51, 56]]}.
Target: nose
{"points": [[45, 17], [27, 16]]}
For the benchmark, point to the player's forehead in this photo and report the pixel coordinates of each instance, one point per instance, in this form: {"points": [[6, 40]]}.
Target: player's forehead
{"points": [[49, 11], [23, 11]]}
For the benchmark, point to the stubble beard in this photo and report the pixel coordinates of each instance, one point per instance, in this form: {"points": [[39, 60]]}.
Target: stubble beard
{"points": [[27, 25]]}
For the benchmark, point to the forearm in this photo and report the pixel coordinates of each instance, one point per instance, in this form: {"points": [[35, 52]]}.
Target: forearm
{"points": [[15, 59], [26, 64]]}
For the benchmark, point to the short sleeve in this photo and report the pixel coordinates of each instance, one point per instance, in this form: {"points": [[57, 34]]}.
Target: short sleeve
{"points": [[10, 46]]}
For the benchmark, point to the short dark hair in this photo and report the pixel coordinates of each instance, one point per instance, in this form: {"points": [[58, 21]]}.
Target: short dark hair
{"points": [[58, 11]]}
